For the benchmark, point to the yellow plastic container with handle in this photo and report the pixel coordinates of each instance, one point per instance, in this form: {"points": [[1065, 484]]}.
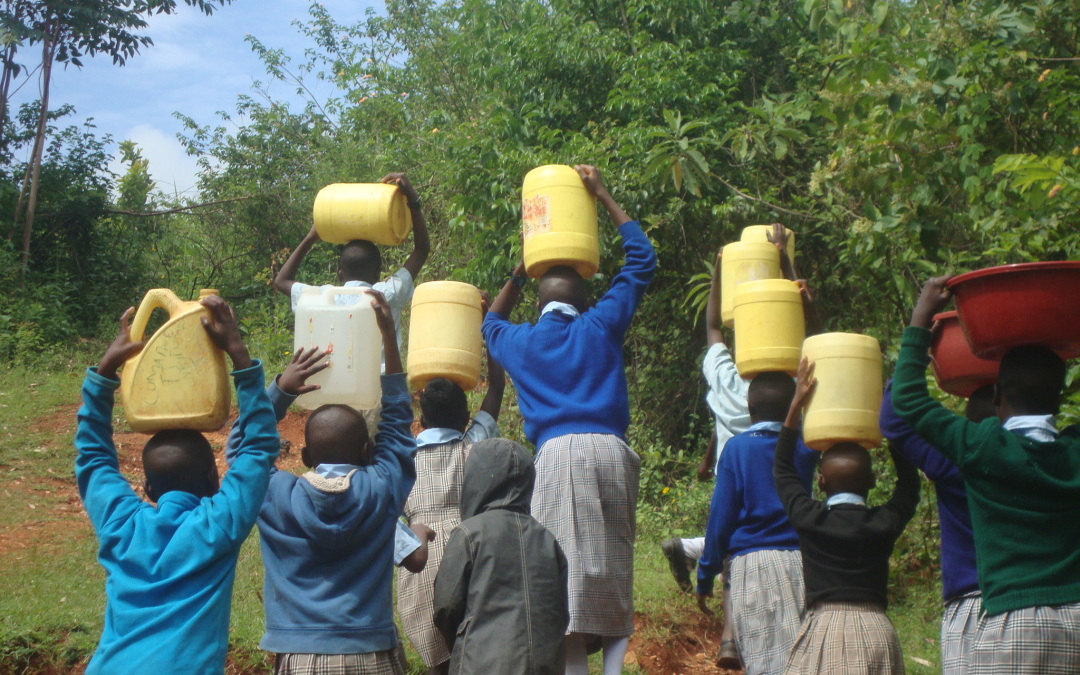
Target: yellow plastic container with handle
{"points": [[444, 334], [769, 327], [762, 232], [377, 212], [744, 261], [179, 380], [559, 224], [847, 400]]}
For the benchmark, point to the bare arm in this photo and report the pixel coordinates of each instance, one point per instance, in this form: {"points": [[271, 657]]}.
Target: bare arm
{"points": [[286, 276], [713, 325], [590, 175], [421, 240], [508, 297], [392, 357]]}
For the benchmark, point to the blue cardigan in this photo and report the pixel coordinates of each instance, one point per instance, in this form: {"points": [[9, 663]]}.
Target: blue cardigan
{"points": [[958, 571], [328, 550], [745, 514], [170, 568], [569, 372]]}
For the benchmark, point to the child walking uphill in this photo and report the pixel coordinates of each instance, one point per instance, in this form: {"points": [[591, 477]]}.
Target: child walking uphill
{"points": [[500, 596], [170, 567], [571, 384], [845, 551], [748, 523], [1023, 489], [327, 537]]}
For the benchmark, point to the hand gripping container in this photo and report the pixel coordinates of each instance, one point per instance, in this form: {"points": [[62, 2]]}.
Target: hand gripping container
{"points": [[179, 380], [769, 327], [377, 212], [761, 233], [847, 400], [559, 225], [351, 334], [444, 334], [744, 261]]}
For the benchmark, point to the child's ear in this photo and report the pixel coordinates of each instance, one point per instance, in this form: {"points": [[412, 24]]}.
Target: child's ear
{"points": [[820, 481], [149, 491], [305, 457]]}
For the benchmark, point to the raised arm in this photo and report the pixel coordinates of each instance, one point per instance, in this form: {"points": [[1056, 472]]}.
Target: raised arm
{"points": [[905, 498], [286, 276], [796, 500], [421, 239], [508, 297], [590, 175], [713, 323]]}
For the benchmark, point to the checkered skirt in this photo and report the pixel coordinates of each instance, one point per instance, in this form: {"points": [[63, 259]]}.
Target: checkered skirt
{"points": [[586, 494], [387, 662], [435, 501], [767, 602], [1043, 640], [838, 638], [959, 622]]}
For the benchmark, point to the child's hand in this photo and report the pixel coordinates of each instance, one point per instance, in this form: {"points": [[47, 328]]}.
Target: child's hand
{"points": [[403, 184], [805, 384], [485, 302], [383, 316], [703, 606], [293, 380], [590, 175], [223, 331], [121, 349], [935, 295], [778, 237]]}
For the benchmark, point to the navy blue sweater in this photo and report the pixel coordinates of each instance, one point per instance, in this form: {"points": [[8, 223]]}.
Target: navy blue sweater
{"points": [[569, 372]]}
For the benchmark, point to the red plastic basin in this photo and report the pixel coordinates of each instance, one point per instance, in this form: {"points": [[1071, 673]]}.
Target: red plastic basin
{"points": [[1025, 304], [958, 371]]}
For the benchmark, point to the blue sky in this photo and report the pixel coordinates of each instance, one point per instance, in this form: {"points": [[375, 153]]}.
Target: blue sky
{"points": [[197, 66]]}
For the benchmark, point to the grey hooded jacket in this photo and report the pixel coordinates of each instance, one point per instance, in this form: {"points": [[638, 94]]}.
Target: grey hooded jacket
{"points": [[500, 594]]}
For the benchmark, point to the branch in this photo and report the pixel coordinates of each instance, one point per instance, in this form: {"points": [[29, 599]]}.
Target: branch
{"points": [[1056, 58], [762, 201], [120, 212]]}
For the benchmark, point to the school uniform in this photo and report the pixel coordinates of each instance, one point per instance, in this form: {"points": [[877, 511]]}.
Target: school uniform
{"points": [[845, 550], [1023, 485], [571, 384], [169, 567]]}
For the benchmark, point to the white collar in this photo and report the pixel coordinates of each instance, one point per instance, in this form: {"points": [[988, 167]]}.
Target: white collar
{"points": [[562, 308], [1036, 427], [437, 436], [335, 470], [845, 498]]}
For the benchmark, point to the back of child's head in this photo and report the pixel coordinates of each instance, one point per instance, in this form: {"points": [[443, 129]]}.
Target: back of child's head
{"points": [[443, 404], [360, 260], [980, 404], [336, 434], [769, 396], [1030, 380], [179, 460], [563, 284], [499, 474], [847, 467]]}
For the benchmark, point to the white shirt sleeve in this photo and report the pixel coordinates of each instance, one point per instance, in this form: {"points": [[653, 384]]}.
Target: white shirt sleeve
{"points": [[482, 428], [296, 292], [398, 291], [727, 394], [405, 542]]}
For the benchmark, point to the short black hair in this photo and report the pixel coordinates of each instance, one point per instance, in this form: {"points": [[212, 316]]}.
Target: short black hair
{"points": [[980, 404], [769, 396], [847, 467], [179, 460], [337, 434], [1031, 379], [443, 404], [360, 260]]}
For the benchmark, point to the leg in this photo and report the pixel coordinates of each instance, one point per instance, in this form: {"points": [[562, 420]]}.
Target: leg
{"points": [[615, 654], [729, 650], [441, 669], [577, 659]]}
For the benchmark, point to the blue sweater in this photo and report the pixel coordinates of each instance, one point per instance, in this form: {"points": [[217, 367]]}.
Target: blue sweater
{"points": [[328, 544], [170, 568], [745, 514], [569, 372], [958, 575]]}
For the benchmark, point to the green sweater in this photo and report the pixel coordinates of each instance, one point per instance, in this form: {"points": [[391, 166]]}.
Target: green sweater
{"points": [[1024, 495]]}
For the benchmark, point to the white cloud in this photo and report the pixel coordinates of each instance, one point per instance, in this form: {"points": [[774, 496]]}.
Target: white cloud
{"points": [[170, 165]]}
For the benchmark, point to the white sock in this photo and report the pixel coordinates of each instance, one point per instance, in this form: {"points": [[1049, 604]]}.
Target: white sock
{"points": [[577, 660], [615, 654], [693, 548]]}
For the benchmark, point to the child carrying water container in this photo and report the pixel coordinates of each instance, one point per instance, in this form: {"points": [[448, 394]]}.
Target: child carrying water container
{"points": [[170, 565]]}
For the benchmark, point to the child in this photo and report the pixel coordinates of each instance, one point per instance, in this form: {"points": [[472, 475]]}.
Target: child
{"points": [[845, 551], [435, 500], [500, 595], [327, 536], [170, 567], [360, 263], [1023, 489], [959, 580], [747, 522], [571, 383]]}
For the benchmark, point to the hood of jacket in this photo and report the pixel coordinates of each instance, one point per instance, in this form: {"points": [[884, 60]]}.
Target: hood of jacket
{"points": [[327, 510], [499, 474]]}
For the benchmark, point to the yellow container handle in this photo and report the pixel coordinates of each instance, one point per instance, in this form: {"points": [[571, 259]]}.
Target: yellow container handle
{"points": [[155, 298]]}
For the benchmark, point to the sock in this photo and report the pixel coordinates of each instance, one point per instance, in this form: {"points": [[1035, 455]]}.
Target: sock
{"points": [[615, 654]]}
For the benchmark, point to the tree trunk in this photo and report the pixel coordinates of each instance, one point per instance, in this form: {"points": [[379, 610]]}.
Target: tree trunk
{"points": [[48, 50]]}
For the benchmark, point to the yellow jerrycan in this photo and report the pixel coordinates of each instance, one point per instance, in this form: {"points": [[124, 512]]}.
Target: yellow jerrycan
{"points": [[444, 334], [179, 380], [377, 212], [761, 233], [744, 261], [559, 223], [346, 327], [847, 400], [769, 327]]}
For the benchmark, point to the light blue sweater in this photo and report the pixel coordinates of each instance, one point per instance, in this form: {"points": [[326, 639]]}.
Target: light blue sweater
{"points": [[170, 568]]}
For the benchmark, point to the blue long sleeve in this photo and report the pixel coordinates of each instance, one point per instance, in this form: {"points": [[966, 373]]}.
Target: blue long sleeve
{"points": [[279, 400], [723, 516], [910, 445], [616, 308], [394, 466]]}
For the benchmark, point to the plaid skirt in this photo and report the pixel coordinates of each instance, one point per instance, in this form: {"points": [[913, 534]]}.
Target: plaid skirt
{"points": [[846, 638], [586, 494], [387, 662], [959, 623], [1043, 640], [767, 602]]}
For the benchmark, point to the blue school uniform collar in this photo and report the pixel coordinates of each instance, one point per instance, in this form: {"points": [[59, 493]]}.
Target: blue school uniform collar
{"points": [[561, 308], [335, 470], [437, 436], [845, 498]]}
